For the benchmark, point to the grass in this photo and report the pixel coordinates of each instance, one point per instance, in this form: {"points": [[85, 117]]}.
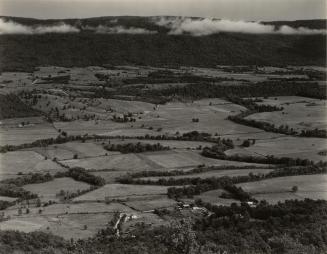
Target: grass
{"points": [[117, 161], [122, 191], [214, 198], [294, 147], [12, 134], [279, 189], [151, 204], [299, 113], [48, 190], [24, 162]]}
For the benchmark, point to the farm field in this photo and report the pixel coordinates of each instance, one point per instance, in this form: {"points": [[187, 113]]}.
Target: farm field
{"points": [[299, 113], [110, 176], [13, 163], [146, 105], [293, 147], [122, 191], [151, 204], [280, 188], [213, 197], [77, 221], [50, 190], [12, 133]]}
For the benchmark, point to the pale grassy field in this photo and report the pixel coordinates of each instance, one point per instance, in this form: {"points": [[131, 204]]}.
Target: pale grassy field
{"points": [[186, 159], [69, 208], [12, 163], [12, 134], [151, 204], [119, 162], [48, 190], [9, 199], [66, 220], [122, 191], [294, 147], [126, 106], [213, 198], [173, 117], [299, 113], [279, 189], [67, 151]]}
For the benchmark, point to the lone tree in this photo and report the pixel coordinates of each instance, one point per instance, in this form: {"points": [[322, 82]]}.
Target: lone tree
{"points": [[295, 188]]}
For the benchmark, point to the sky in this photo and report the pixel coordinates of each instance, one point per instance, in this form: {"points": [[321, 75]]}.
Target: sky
{"points": [[249, 10]]}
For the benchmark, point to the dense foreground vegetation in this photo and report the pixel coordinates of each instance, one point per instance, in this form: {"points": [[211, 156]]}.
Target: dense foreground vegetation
{"points": [[290, 227]]}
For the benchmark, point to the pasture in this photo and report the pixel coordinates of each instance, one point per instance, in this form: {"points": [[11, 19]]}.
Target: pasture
{"points": [[294, 147], [50, 190], [122, 191], [214, 198], [25, 162], [13, 133], [280, 188], [151, 204], [299, 113]]}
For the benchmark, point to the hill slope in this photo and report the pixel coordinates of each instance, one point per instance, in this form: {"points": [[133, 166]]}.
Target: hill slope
{"points": [[22, 52]]}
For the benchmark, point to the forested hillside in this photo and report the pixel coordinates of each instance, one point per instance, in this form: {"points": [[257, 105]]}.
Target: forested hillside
{"points": [[23, 52]]}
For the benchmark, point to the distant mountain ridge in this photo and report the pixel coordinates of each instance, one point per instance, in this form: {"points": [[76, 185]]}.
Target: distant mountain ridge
{"points": [[24, 52], [146, 21]]}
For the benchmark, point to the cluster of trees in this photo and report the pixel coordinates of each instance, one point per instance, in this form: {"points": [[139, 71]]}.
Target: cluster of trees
{"points": [[13, 187], [12, 190], [289, 171], [200, 169], [314, 133], [166, 76], [198, 185], [12, 106], [124, 119], [261, 89], [80, 174], [5, 204], [270, 127], [64, 138], [136, 147], [283, 129], [60, 139], [238, 193], [251, 104], [29, 179], [66, 195], [253, 107], [289, 227]]}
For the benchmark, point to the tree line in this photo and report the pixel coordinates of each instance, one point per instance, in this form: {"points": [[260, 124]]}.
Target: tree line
{"points": [[136, 147]]}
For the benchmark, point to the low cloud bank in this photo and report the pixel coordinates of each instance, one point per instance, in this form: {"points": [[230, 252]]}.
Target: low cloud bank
{"points": [[10, 27], [201, 27], [120, 30], [175, 25]]}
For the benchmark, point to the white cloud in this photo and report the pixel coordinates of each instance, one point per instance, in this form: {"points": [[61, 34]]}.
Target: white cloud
{"points": [[10, 27], [206, 26]]}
